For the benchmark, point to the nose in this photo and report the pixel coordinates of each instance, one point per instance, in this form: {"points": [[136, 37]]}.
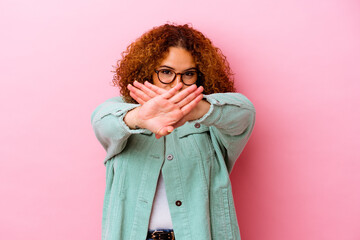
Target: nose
{"points": [[177, 80]]}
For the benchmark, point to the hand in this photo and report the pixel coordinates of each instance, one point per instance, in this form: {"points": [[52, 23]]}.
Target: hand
{"points": [[144, 92], [162, 110]]}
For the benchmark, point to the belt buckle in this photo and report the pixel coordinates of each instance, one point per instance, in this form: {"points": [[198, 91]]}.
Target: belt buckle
{"points": [[157, 234], [153, 234]]}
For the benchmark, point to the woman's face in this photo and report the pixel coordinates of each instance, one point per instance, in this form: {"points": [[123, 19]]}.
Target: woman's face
{"points": [[178, 60]]}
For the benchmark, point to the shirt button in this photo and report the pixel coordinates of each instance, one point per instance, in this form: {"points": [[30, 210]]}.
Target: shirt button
{"points": [[197, 125], [169, 157], [178, 203]]}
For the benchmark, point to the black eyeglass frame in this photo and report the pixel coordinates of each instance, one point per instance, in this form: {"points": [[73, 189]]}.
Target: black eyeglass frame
{"points": [[181, 76]]}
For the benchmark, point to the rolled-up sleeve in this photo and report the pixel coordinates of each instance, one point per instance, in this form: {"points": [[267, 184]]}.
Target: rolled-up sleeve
{"points": [[110, 129]]}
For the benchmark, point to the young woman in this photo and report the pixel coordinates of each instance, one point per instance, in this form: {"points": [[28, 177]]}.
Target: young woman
{"points": [[170, 149]]}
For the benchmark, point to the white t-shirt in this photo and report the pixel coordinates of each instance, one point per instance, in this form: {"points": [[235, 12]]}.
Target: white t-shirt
{"points": [[160, 217]]}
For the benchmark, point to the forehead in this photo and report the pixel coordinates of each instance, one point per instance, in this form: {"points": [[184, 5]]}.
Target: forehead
{"points": [[178, 58]]}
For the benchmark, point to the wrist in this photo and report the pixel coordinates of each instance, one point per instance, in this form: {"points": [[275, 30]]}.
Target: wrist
{"points": [[200, 110], [132, 120], [137, 121]]}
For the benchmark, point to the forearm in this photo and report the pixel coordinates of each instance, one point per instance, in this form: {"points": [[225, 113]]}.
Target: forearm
{"points": [[109, 127], [199, 111]]}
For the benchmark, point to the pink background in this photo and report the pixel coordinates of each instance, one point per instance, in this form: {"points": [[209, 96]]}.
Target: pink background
{"points": [[298, 61]]}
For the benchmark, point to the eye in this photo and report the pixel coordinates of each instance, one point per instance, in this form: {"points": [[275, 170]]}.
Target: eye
{"points": [[165, 71], [190, 73]]}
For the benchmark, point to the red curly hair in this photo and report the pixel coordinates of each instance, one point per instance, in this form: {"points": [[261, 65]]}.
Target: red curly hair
{"points": [[145, 54]]}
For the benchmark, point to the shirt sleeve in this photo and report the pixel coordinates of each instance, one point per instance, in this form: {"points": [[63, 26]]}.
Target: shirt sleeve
{"points": [[231, 119], [110, 129]]}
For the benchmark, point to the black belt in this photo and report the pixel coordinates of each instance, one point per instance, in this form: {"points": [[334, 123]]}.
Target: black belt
{"points": [[159, 234]]}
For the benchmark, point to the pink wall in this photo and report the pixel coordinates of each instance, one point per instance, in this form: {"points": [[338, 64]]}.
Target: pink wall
{"points": [[298, 61]]}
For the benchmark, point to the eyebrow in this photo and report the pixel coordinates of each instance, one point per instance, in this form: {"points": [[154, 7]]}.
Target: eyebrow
{"points": [[174, 68]]}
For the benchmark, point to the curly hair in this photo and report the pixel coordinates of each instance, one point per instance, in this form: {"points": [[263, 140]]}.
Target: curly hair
{"points": [[145, 54]]}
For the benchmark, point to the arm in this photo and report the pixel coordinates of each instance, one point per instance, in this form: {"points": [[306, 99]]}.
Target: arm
{"points": [[110, 129], [231, 119]]}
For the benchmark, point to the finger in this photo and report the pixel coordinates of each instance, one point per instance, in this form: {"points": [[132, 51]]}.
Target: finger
{"points": [[154, 88], [145, 89], [188, 96], [164, 131], [168, 130], [182, 94], [172, 91], [139, 93], [188, 107], [136, 98]]}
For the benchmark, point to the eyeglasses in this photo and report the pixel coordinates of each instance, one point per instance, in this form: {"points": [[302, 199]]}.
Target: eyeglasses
{"points": [[167, 76]]}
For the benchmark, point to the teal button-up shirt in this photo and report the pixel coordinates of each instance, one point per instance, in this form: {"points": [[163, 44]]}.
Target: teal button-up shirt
{"points": [[195, 161]]}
